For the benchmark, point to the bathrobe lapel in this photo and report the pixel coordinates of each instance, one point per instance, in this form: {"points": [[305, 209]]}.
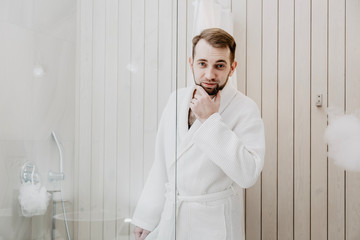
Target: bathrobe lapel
{"points": [[183, 132], [185, 135]]}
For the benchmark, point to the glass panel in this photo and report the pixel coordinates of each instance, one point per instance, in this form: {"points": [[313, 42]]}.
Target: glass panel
{"points": [[37, 96], [83, 85]]}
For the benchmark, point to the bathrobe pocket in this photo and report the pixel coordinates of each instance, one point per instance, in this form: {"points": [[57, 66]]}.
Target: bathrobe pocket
{"points": [[207, 222]]}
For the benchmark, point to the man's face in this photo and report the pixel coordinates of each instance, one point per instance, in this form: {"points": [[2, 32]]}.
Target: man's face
{"points": [[211, 67]]}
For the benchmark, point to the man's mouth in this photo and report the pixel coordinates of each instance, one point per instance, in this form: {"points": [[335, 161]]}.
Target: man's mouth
{"points": [[211, 88], [209, 85]]}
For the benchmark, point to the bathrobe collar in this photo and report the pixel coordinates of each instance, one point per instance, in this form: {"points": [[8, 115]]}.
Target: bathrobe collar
{"points": [[184, 133]]}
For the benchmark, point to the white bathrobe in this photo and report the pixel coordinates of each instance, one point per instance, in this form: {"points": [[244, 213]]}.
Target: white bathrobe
{"points": [[215, 161]]}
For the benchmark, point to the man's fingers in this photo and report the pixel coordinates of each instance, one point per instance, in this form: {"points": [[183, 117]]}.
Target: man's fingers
{"points": [[137, 235], [144, 234], [194, 93], [140, 234], [200, 90], [218, 97]]}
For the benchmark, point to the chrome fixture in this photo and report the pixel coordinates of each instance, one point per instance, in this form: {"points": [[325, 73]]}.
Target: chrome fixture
{"points": [[57, 176]]}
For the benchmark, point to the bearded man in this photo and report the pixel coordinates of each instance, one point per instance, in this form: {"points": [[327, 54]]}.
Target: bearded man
{"points": [[218, 139]]}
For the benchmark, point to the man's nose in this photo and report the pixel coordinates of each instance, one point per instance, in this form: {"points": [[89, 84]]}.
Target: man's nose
{"points": [[210, 73]]}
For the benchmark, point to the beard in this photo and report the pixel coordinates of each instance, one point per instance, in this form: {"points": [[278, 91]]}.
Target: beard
{"points": [[212, 91]]}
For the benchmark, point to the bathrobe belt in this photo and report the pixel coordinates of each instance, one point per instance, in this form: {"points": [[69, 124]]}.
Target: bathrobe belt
{"points": [[170, 198], [170, 195]]}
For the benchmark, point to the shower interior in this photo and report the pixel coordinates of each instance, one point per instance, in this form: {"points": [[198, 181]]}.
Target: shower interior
{"points": [[31, 176], [59, 177], [44, 87]]}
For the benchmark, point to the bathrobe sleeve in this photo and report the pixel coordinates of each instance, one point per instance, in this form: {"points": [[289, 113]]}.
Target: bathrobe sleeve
{"points": [[151, 203], [239, 151]]}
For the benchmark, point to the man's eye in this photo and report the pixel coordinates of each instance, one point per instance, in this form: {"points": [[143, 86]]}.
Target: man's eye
{"points": [[202, 64], [220, 66]]}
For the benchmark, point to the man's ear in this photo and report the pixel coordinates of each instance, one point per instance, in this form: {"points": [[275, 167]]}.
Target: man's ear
{"points": [[190, 62], [233, 67]]}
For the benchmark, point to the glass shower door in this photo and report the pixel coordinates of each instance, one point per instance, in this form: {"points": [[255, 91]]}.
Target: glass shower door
{"points": [[98, 74], [37, 97]]}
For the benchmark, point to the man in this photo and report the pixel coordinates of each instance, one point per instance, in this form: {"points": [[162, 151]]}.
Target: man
{"points": [[220, 150]]}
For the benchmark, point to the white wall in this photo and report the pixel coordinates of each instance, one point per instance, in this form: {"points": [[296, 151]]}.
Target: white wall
{"points": [[293, 51], [126, 74], [288, 52], [34, 33]]}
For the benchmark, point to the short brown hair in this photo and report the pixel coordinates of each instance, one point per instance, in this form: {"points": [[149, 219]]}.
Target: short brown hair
{"points": [[217, 38]]}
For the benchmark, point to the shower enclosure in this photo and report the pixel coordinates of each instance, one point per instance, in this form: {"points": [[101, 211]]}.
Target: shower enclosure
{"points": [[98, 73]]}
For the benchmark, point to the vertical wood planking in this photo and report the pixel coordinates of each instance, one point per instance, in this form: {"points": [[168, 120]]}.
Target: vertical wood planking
{"points": [[151, 82], [318, 121], [124, 118], [239, 10], [85, 102], [182, 54], [98, 105], [110, 138], [165, 61], [189, 28], [77, 115], [352, 104], [285, 120], [302, 120], [136, 66], [254, 68], [269, 114], [336, 97], [174, 45]]}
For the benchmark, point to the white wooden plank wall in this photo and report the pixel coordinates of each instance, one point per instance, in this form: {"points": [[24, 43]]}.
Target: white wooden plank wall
{"points": [[126, 74], [83, 135], [254, 72], [239, 10], [124, 118], [110, 118], [318, 120], [269, 219], [336, 99], [98, 112], [288, 52], [352, 102], [302, 119], [285, 120], [316, 51]]}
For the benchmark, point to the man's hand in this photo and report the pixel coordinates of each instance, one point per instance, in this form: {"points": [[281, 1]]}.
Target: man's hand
{"points": [[202, 105], [140, 234]]}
